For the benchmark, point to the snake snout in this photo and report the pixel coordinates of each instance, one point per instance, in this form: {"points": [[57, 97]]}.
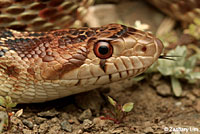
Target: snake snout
{"points": [[145, 47], [159, 45]]}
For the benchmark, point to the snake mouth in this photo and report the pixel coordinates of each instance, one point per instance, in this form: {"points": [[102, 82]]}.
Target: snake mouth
{"points": [[124, 67], [116, 69], [103, 79]]}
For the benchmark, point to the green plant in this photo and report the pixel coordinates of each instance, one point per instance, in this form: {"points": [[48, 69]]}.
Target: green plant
{"points": [[119, 112], [194, 29], [6, 105], [182, 67]]}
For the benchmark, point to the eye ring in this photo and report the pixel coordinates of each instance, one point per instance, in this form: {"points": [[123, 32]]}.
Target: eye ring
{"points": [[103, 49]]}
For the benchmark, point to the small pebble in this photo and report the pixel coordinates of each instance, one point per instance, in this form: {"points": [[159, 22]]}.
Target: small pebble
{"points": [[39, 120], [164, 89], [87, 114], [196, 92], [54, 120], [197, 106], [148, 130], [80, 131], [66, 126], [28, 123], [191, 97], [49, 113], [117, 131], [87, 124], [98, 122], [178, 104]]}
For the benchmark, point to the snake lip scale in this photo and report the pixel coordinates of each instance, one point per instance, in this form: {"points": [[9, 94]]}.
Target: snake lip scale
{"points": [[42, 66]]}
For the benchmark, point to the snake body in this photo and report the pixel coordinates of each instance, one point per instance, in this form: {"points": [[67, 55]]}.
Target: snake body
{"points": [[182, 10], [42, 15]]}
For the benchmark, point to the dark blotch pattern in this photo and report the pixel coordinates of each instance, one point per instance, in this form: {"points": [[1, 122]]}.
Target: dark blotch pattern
{"points": [[90, 33], [102, 64], [120, 33], [36, 34], [2, 52], [5, 33]]}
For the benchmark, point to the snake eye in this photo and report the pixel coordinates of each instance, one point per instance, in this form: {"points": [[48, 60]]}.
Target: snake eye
{"points": [[103, 49]]}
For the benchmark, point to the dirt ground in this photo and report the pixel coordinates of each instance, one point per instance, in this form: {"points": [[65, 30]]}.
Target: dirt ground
{"points": [[156, 110]]}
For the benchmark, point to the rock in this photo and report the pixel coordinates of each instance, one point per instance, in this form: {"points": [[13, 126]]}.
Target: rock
{"points": [[74, 120], [148, 130], [54, 120], [117, 131], [80, 131], [16, 121], [87, 124], [99, 122], [66, 126], [147, 123], [191, 97], [26, 131], [163, 89], [87, 114], [54, 129], [49, 113], [89, 100], [101, 14], [179, 103], [126, 11], [196, 92], [3, 116], [28, 123], [39, 120], [197, 106], [130, 11], [43, 128], [86, 133], [156, 77], [65, 116]]}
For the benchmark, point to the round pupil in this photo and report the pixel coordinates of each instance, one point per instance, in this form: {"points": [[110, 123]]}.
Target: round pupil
{"points": [[103, 50]]}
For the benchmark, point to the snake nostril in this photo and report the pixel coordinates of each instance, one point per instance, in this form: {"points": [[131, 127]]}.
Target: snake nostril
{"points": [[144, 48]]}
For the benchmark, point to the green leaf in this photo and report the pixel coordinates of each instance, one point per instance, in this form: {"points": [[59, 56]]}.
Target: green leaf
{"points": [[2, 108], [197, 21], [10, 105], [2, 101], [166, 67], [176, 86], [195, 75], [138, 78], [8, 99], [191, 62], [112, 102], [127, 107]]}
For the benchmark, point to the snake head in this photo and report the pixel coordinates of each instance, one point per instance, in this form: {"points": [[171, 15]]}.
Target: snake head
{"points": [[69, 61], [119, 52], [110, 53]]}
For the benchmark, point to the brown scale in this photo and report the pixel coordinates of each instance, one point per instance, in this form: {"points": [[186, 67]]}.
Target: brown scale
{"points": [[184, 7], [70, 45], [5, 33], [58, 38], [41, 15]]}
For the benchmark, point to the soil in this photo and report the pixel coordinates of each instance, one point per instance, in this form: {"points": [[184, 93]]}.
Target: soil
{"points": [[156, 109]]}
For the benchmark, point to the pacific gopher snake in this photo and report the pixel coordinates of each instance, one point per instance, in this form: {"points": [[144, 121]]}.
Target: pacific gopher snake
{"points": [[42, 66]]}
